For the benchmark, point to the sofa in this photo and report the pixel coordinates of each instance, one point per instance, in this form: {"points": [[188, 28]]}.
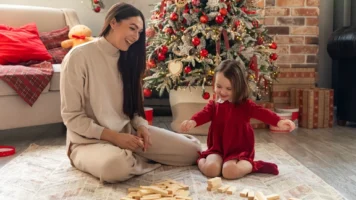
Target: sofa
{"points": [[14, 111]]}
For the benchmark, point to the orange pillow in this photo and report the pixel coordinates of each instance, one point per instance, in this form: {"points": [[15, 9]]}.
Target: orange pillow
{"points": [[21, 44]]}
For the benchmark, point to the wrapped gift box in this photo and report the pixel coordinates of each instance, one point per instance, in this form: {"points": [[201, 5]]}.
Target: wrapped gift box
{"points": [[316, 106], [289, 78]]}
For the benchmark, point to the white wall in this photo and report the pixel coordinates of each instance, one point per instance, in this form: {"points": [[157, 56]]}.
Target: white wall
{"points": [[83, 8]]}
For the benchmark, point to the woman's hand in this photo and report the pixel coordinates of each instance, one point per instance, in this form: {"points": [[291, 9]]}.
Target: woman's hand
{"points": [[286, 124], [187, 125], [122, 140], [143, 133]]}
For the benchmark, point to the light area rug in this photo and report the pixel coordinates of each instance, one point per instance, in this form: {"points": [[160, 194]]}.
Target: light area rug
{"points": [[45, 173]]}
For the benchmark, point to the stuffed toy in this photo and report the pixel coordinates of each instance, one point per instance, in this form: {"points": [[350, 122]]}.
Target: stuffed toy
{"points": [[78, 34]]}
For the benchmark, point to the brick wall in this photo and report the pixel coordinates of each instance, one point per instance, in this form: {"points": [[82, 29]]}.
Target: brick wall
{"points": [[295, 27]]}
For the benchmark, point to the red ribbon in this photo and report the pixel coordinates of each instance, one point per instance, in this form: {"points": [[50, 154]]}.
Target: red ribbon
{"points": [[226, 41], [81, 37]]}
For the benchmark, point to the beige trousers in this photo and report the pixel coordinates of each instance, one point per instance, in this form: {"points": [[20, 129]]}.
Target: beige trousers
{"points": [[112, 164]]}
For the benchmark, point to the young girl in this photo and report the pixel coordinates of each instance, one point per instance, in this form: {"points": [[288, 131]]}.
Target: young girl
{"points": [[231, 138]]}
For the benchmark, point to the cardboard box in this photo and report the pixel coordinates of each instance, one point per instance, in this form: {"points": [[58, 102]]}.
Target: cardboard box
{"points": [[281, 93], [304, 76]]}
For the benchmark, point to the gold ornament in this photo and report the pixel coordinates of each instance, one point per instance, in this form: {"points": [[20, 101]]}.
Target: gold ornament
{"points": [[211, 73], [175, 67], [181, 3], [173, 37]]}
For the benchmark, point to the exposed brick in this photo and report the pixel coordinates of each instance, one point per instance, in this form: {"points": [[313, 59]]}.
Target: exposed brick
{"points": [[312, 59], [304, 66], [270, 21], [305, 12], [290, 21], [304, 30], [291, 59], [277, 11], [281, 39], [312, 21], [304, 49], [281, 30], [311, 40], [313, 3], [270, 3], [282, 49], [290, 3], [260, 4]]}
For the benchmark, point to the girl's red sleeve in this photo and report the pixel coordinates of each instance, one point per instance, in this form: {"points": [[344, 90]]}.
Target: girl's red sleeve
{"points": [[204, 115], [260, 113]]}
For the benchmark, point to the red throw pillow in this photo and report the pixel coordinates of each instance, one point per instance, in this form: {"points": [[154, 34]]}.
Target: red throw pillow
{"points": [[21, 44], [54, 38]]}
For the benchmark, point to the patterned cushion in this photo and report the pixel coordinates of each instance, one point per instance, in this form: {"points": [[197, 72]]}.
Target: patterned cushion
{"points": [[54, 38], [57, 54]]}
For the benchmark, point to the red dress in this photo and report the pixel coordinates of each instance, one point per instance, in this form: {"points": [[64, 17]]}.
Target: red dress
{"points": [[231, 134]]}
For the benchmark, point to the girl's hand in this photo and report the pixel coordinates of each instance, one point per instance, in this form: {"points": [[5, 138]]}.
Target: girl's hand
{"points": [[128, 141], [286, 124], [144, 134], [187, 125]]}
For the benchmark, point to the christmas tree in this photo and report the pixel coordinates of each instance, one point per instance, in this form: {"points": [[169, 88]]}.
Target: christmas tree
{"points": [[187, 39]]}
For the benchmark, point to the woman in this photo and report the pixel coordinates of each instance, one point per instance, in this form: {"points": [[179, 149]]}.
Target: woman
{"points": [[102, 107]]}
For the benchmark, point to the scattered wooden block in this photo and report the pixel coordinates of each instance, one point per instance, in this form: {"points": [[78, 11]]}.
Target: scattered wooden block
{"points": [[223, 188], [243, 193], [293, 199], [260, 196], [231, 190], [164, 190], [273, 197], [251, 195], [214, 182]]}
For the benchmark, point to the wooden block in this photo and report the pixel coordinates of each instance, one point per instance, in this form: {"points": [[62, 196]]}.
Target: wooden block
{"points": [[132, 190], [214, 182], [182, 193], [144, 192], [167, 198], [231, 190], [273, 197], [251, 195], [183, 186], [173, 188], [183, 198], [260, 196], [244, 193], [223, 188], [151, 197], [293, 199], [155, 189]]}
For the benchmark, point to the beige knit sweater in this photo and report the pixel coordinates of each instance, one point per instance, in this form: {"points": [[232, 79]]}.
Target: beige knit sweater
{"points": [[92, 93]]}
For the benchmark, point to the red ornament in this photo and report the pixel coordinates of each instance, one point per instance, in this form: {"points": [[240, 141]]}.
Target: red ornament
{"points": [[204, 19], [96, 1], [206, 95], [260, 41], [273, 56], [237, 23], [273, 45], [169, 31], [186, 10], [196, 41], [187, 69], [184, 21], [151, 64], [164, 49], [255, 23], [97, 9], [147, 92], [204, 53], [174, 16], [219, 19], [150, 32], [182, 28], [161, 57], [223, 11]]}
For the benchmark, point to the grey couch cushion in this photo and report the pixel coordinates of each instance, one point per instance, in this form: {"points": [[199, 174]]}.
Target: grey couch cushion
{"points": [[55, 78]]}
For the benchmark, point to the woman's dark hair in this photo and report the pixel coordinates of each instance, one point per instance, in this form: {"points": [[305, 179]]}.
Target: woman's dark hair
{"points": [[236, 75], [131, 63]]}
